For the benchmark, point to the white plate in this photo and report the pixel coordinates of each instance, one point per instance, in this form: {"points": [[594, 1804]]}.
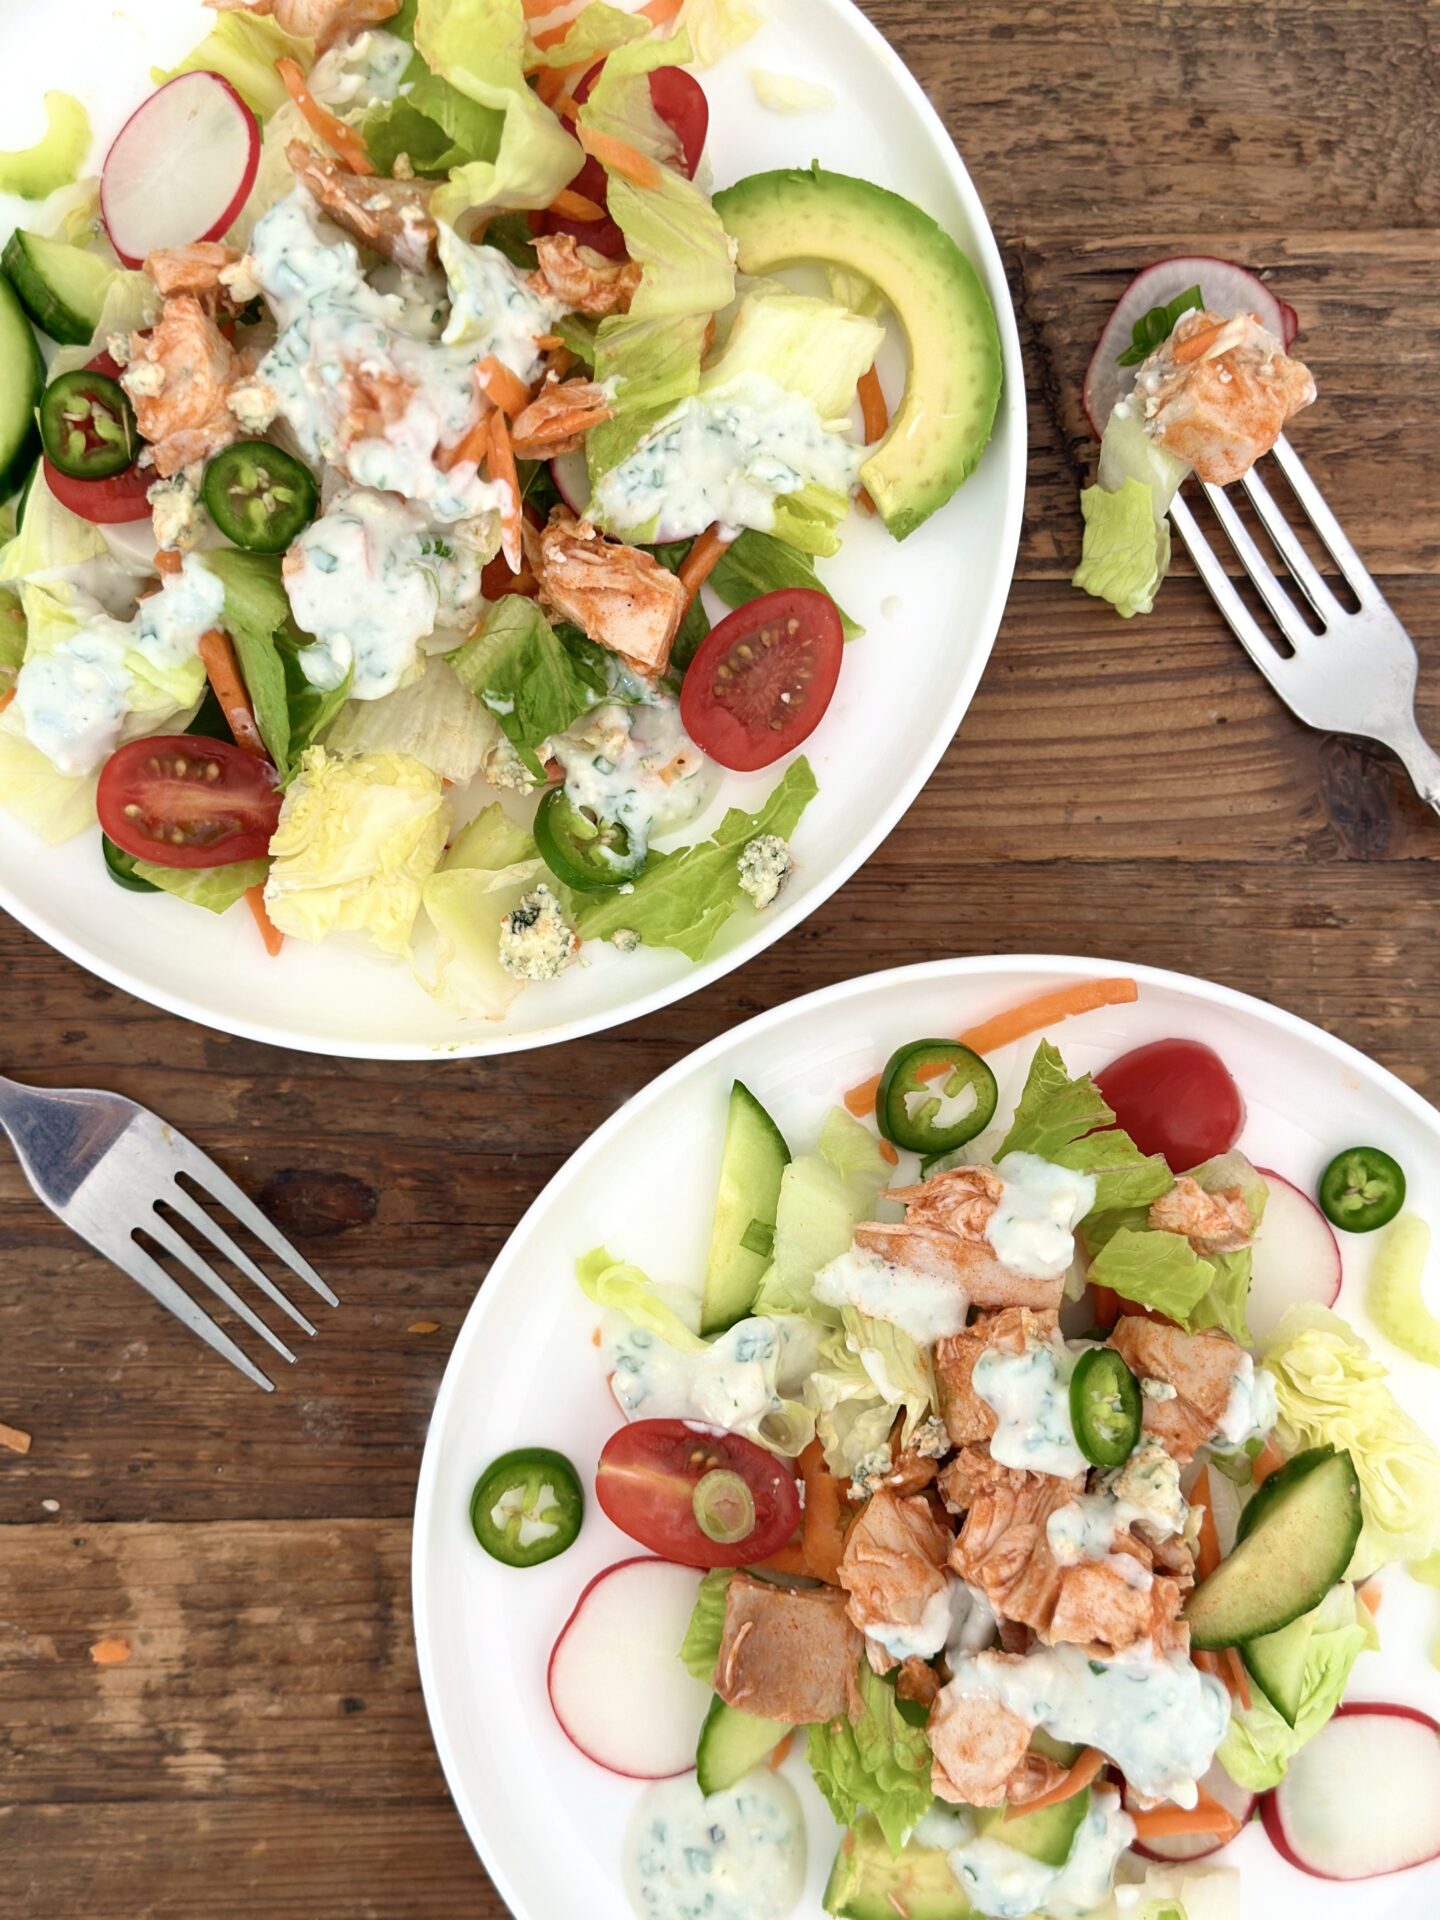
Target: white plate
{"points": [[548, 1822], [930, 610]]}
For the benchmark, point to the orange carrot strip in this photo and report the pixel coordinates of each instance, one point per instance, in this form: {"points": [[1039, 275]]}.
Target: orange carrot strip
{"points": [[660, 12], [576, 206], [551, 36], [223, 671], [1075, 1781], [1207, 1547], [344, 142], [505, 389], [535, 9], [863, 500], [874, 414], [6, 697], [821, 1529], [474, 443], [699, 562], [1198, 343], [561, 103], [1269, 1460], [619, 156], [782, 1752], [888, 1153], [1370, 1593], [550, 87], [786, 1560], [502, 467], [1206, 1816], [169, 560], [269, 932], [1083, 997]]}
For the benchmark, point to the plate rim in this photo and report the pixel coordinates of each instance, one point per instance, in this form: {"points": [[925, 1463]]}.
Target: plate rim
{"points": [[993, 967], [771, 927]]}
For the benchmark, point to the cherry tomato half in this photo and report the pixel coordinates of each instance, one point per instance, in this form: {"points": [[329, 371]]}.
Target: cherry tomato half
{"points": [[680, 101], [761, 680], [121, 498], [1176, 1098], [697, 1494], [182, 801]]}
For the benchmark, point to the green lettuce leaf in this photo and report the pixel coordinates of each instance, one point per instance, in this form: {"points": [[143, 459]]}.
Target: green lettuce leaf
{"points": [[54, 161], [868, 1372], [489, 866], [815, 348], [682, 899], [1125, 554], [1159, 1270], [435, 125], [823, 1195], [757, 563], [1331, 1391], [877, 1763], [610, 1283], [1260, 1744], [243, 48], [1227, 1302], [534, 680], [595, 31], [695, 625], [357, 840], [1068, 1122], [700, 1648], [478, 47], [215, 888]]}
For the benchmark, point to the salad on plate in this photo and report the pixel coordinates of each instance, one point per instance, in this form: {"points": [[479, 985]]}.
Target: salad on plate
{"points": [[1015, 1466], [410, 384]]}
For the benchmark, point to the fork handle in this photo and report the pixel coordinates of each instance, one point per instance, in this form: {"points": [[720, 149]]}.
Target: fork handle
{"points": [[1420, 761]]}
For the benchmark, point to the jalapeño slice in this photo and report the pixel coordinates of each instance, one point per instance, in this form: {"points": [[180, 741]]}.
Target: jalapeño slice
{"points": [[1362, 1188], [1105, 1407], [87, 425], [933, 1096], [259, 496], [581, 851], [527, 1507]]}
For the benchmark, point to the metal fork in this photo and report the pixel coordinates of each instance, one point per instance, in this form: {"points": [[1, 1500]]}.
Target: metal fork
{"points": [[106, 1165], [1358, 674]]}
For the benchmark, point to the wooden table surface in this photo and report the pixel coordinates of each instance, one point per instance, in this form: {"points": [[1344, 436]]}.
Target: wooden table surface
{"points": [[1129, 789]]}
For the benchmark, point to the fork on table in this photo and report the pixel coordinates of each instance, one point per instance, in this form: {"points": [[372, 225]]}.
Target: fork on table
{"points": [[1357, 675], [106, 1166]]}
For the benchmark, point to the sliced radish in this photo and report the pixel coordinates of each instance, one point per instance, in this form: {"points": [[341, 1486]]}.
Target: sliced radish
{"points": [[1194, 1846], [1296, 1259], [1362, 1798], [180, 168], [571, 475], [615, 1679], [1227, 288]]}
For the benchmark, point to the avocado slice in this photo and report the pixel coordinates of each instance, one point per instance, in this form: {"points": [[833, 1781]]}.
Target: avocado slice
{"points": [[868, 1882], [944, 421]]}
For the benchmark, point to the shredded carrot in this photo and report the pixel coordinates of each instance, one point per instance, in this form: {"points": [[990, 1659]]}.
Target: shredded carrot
{"points": [[1269, 1460], [537, 9], [344, 142], [169, 560], [501, 387], [660, 12], [1014, 1024], [223, 671], [1075, 1781], [1107, 1306], [1206, 1816], [1370, 1593], [502, 467], [550, 87], [560, 361], [550, 36], [863, 500], [822, 1530], [1198, 343], [496, 580], [786, 1560], [6, 697], [619, 156], [888, 1153], [561, 103], [874, 413], [595, 1338], [474, 443], [15, 1438], [782, 1752], [1207, 1547], [576, 206], [699, 563], [269, 932], [112, 1651]]}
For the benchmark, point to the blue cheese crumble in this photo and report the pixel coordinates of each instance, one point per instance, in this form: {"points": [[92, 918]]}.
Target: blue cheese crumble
{"points": [[765, 864], [536, 941]]}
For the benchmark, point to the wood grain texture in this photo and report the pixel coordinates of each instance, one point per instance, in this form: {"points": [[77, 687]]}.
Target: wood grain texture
{"points": [[1126, 789]]}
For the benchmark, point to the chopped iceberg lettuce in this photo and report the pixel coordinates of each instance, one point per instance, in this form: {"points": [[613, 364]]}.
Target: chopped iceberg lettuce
{"points": [[1260, 1743], [1125, 554], [491, 864]]}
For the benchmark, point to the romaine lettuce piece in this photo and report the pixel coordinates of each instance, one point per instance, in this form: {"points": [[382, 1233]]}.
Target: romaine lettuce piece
{"points": [[683, 899], [867, 1373], [823, 1195], [533, 678], [1226, 1304], [756, 563], [54, 161], [243, 48], [700, 1648], [878, 1763], [356, 842], [1159, 1270], [1068, 1122], [1260, 1744]]}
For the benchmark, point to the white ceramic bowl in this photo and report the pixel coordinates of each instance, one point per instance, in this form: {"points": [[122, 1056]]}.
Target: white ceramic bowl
{"points": [[548, 1822], [930, 608]]}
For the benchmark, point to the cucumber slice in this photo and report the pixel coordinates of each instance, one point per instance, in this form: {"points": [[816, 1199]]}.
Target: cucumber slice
{"points": [[1046, 1835], [1273, 1489], [751, 1163], [1294, 1553], [731, 1743], [22, 380], [61, 287], [868, 1882], [1276, 1663]]}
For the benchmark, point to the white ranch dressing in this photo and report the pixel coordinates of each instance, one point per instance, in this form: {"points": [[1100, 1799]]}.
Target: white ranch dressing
{"points": [[734, 1383], [1252, 1408], [634, 766], [1033, 1226], [1029, 1394], [734, 1855], [724, 457], [1009, 1885], [1159, 1720], [921, 1304], [361, 71]]}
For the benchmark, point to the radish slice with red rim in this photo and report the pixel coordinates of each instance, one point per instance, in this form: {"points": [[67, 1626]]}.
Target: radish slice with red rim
{"points": [[616, 1682], [1226, 287], [1296, 1261], [1363, 1797], [180, 168], [1194, 1846], [572, 477]]}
